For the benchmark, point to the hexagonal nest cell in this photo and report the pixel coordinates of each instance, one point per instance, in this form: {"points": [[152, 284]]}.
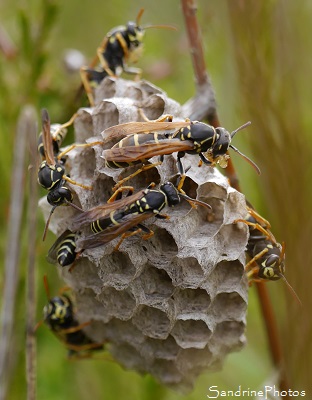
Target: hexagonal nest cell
{"points": [[173, 305]]}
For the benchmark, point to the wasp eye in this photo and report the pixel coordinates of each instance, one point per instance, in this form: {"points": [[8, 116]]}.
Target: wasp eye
{"points": [[47, 310]]}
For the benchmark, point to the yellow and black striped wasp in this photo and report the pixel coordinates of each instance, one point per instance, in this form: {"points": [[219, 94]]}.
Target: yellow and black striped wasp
{"points": [[60, 318], [124, 217], [63, 250], [122, 45], [142, 140], [266, 255], [51, 173]]}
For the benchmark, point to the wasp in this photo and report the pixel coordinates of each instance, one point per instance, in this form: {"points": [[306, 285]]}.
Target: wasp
{"points": [[142, 140], [63, 251], [51, 173], [59, 316], [125, 216], [122, 45], [266, 255]]}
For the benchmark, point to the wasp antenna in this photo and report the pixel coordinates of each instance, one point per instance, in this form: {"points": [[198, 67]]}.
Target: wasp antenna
{"points": [[69, 203], [139, 16], [240, 128], [46, 286], [292, 290], [48, 223], [283, 251], [38, 324], [170, 27], [253, 164], [198, 202]]}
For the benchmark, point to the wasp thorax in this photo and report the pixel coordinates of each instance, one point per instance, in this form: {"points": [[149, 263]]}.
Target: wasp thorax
{"points": [[172, 304], [171, 193], [50, 175]]}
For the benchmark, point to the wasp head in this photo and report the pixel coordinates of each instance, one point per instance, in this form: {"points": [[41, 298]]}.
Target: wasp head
{"points": [[272, 268], [58, 312], [217, 152], [135, 36], [59, 196]]}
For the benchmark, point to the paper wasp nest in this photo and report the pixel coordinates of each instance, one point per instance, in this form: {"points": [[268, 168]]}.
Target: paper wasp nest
{"points": [[174, 305]]}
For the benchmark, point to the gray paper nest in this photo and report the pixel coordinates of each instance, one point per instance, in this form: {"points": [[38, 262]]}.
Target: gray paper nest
{"points": [[174, 305]]}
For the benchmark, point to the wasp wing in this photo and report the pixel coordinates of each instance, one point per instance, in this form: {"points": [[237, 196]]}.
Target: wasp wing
{"points": [[103, 210], [124, 225], [130, 128], [47, 138], [144, 151]]}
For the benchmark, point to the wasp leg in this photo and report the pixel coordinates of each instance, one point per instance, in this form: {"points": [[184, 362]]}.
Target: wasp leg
{"points": [[144, 168], [117, 194], [64, 289], [164, 118], [84, 347], [126, 235], [260, 228], [133, 71], [204, 160], [101, 49], [75, 328], [148, 232], [162, 216], [258, 218], [181, 170], [75, 145], [66, 178], [251, 276], [180, 183], [86, 84], [248, 266], [66, 124], [123, 44]]}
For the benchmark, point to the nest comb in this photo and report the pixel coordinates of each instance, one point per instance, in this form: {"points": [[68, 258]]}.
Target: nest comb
{"points": [[174, 305]]}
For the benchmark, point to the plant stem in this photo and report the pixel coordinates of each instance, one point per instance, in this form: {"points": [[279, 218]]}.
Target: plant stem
{"points": [[204, 88]]}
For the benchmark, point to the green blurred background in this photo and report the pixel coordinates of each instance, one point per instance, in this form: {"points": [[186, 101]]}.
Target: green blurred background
{"points": [[258, 55]]}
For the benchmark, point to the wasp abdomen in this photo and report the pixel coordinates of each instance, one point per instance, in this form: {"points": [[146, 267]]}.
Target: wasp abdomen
{"points": [[66, 254]]}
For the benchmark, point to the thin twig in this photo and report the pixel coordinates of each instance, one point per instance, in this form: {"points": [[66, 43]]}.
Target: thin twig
{"points": [[31, 276], [272, 334], [12, 253], [203, 104], [202, 78]]}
